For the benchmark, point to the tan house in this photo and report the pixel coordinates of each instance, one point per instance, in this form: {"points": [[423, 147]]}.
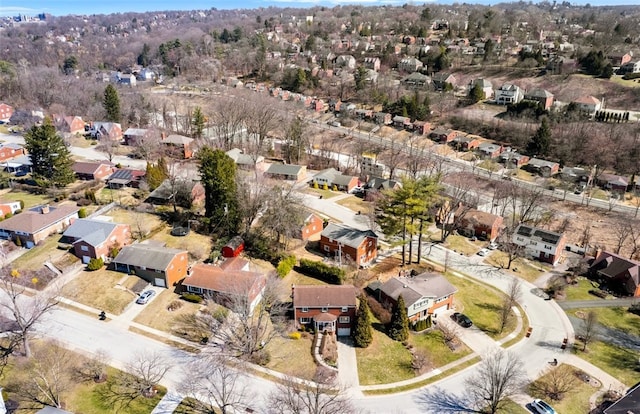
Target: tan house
{"points": [[34, 225], [349, 244], [287, 172], [93, 239]]}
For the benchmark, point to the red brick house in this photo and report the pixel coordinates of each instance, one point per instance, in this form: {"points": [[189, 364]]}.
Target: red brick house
{"points": [[93, 239], [327, 308], [490, 150], [158, 265], [421, 127], [543, 97], [443, 135], [69, 124], [92, 170], [106, 130], [9, 151], [346, 243], [465, 142], [619, 273], [227, 281], [472, 222], [34, 225], [179, 146], [334, 178], [313, 225], [424, 295], [6, 111]]}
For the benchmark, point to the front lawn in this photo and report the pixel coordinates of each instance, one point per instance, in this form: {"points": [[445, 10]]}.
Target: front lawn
{"points": [[140, 222], [621, 363], [323, 193], [98, 290], [438, 354], [385, 361], [615, 318], [520, 266], [576, 401], [199, 246], [292, 356], [29, 199], [463, 245], [34, 258], [156, 314], [580, 291], [482, 304], [356, 204]]}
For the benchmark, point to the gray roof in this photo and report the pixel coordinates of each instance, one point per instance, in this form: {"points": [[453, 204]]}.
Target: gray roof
{"points": [[412, 289], [177, 139], [136, 132], [484, 83], [284, 169], [511, 155], [90, 231], [538, 163], [146, 255], [539, 93], [52, 410], [165, 191], [346, 235], [239, 157], [488, 147]]}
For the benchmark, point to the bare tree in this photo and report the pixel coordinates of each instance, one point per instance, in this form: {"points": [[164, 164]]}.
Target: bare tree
{"points": [[229, 121], [392, 155], [621, 231], [214, 385], [588, 329], [109, 147], [634, 236], [556, 382], [25, 310], [499, 376], [449, 332], [283, 216], [461, 199], [261, 118], [95, 368], [318, 397], [511, 298], [512, 250]]}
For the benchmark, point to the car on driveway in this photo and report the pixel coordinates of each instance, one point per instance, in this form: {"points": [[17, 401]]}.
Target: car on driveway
{"points": [[145, 297], [542, 407], [462, 319], [484, 252], [492, 246]]}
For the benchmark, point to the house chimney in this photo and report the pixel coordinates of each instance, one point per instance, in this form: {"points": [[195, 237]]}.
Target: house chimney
{"points": [[44, 209]]}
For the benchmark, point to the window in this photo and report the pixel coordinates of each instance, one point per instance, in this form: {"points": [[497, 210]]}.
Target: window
{"points": [[305, 309], [345, 319], [345, 309], [326, 248], [305, 320], [325, 309], [84, 248]]}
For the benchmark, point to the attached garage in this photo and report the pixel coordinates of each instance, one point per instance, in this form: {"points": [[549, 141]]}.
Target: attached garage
{"points": [[344, 331]]}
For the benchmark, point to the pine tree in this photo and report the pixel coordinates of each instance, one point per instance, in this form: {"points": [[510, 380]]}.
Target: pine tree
{"points": [[111, 104], [541, 142], [218, 176], [363, 335], [476, 93], [399, 325], [197, 122], [49, 155]]}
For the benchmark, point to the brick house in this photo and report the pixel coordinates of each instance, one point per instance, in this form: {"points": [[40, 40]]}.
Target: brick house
{"points": [[465, 142], [383, 118], [92, 170], [341, 242], [179, 146], [35, 224], [106, 130], [490, 150], [332, 177], [157, 265], [326, 308], [229, 282], [421, 127], [6, 111], [543, 167], [442, 135], [136, 136], [543, 97], [513, 159], [544, 245], [288, 172], [185, 192], [619, 273], [92, 239], [71, 125], [9, 151], [424, 295], [312, 226], [472, 222]]}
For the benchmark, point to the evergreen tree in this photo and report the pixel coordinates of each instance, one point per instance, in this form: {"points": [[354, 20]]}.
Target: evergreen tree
{"points": [[360, 78], [197, 122], [540, 143], [363, 334], [143, 57], [476, 94], [399, 325], [111, 104], [49, 155], [156, 174], [218, 176]]}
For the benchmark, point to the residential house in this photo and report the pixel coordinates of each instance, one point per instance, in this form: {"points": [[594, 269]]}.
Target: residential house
{"points": [[465, 142], [146, 74], [543, 97], [341, 242], [471, 222], [485, 85], [125, 177], [627, 404], [92, 170], [401, 121], [425, 295], [513, 159], [490, 150], [588, 104], [442, 135], [619, 273], [421, 127], [179, 146], [312, 226], [544, 245], [35, 224], [136, 136], [233, 248], [245, 161], [382, 118], [156, 264], [373, 187], [630, 67], [93, 239], [363, 113], [229, 284], [417, 79], [9, 151], [6, 111], [575, 174], [325, 308], [619, 59], [71, 125], [9, 207], [128, 79], [16, 164], [508, 94], [543, 167], [372, 63], [370, 167], [441, 79], [613, 182], [334, 105], [287, 172], [106, 130], [410, 65], [333, 178], [185, 192], [345, 61]]}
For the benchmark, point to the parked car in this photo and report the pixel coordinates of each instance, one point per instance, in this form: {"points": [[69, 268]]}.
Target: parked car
{"points": [[462, 319], [484, 252], [542, 407], [492, 246], [145, 297]]}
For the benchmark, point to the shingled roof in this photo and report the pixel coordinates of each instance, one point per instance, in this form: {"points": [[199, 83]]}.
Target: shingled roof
{"points": [[348, 236], [412, 289], [147, 255], [330, 296]]}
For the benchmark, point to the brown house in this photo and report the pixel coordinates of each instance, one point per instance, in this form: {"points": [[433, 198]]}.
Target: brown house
{"points": [[125, 177], [179, 146], [6, 111], [442, 135], [327, 308], [543, 167], [9, 151], [313, 225], [158, 265], [472, 222], [34, 225], [359, 246], [543, 97], [421, 127], [619, 273], [93, 239], [92, 170], [465, 143]]}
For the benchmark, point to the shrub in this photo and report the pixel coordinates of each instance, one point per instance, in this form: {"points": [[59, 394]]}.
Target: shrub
{"points": [[175, 305], [295, 335], [8, 215], [192, 297], [379, 311], [21, 204], [599, 293], [285, 265], [95, 264], [421, 325], [260, 357], [82, 213], [635, 308], [319, 270]]}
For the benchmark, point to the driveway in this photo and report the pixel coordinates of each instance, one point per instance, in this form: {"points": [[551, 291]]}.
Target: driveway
{"points": [[478, 341]]}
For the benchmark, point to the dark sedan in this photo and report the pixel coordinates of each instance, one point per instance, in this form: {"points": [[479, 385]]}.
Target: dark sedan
{"points": [[462, 319]]}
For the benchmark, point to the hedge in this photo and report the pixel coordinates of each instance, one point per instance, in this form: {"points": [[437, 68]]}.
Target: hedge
{"points": [[192, 297], [95, 264], [330, 274]]}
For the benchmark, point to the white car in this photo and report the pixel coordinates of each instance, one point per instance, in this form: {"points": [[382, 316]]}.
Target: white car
{"points": [[484, 252], [492, 246], [542, 407]]}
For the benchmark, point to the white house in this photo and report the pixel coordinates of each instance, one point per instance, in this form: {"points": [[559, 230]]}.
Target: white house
{"points": [[369, 167], [543, 245], [410, 65], [509, 94], [631, 67], [588, 104]]}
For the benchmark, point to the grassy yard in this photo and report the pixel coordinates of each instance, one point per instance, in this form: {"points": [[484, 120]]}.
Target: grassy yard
{"points": [[513, 408], [384, 361], [199, 246], [522, 267], [463, 245], [437, 352], [292, 356], [323, 193], [616, 318], [29, 199], [574, 402], [580, 291], [98, 289], [139, 222], [525, 175], [489, 165], [599, 194], [34, 258], [356, 204], [156, 314], [622, 363], [481, 303]]}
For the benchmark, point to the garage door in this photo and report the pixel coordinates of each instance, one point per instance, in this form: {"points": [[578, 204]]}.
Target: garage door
{"points": [[344, 331], [440, 310], [160, 282]]}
